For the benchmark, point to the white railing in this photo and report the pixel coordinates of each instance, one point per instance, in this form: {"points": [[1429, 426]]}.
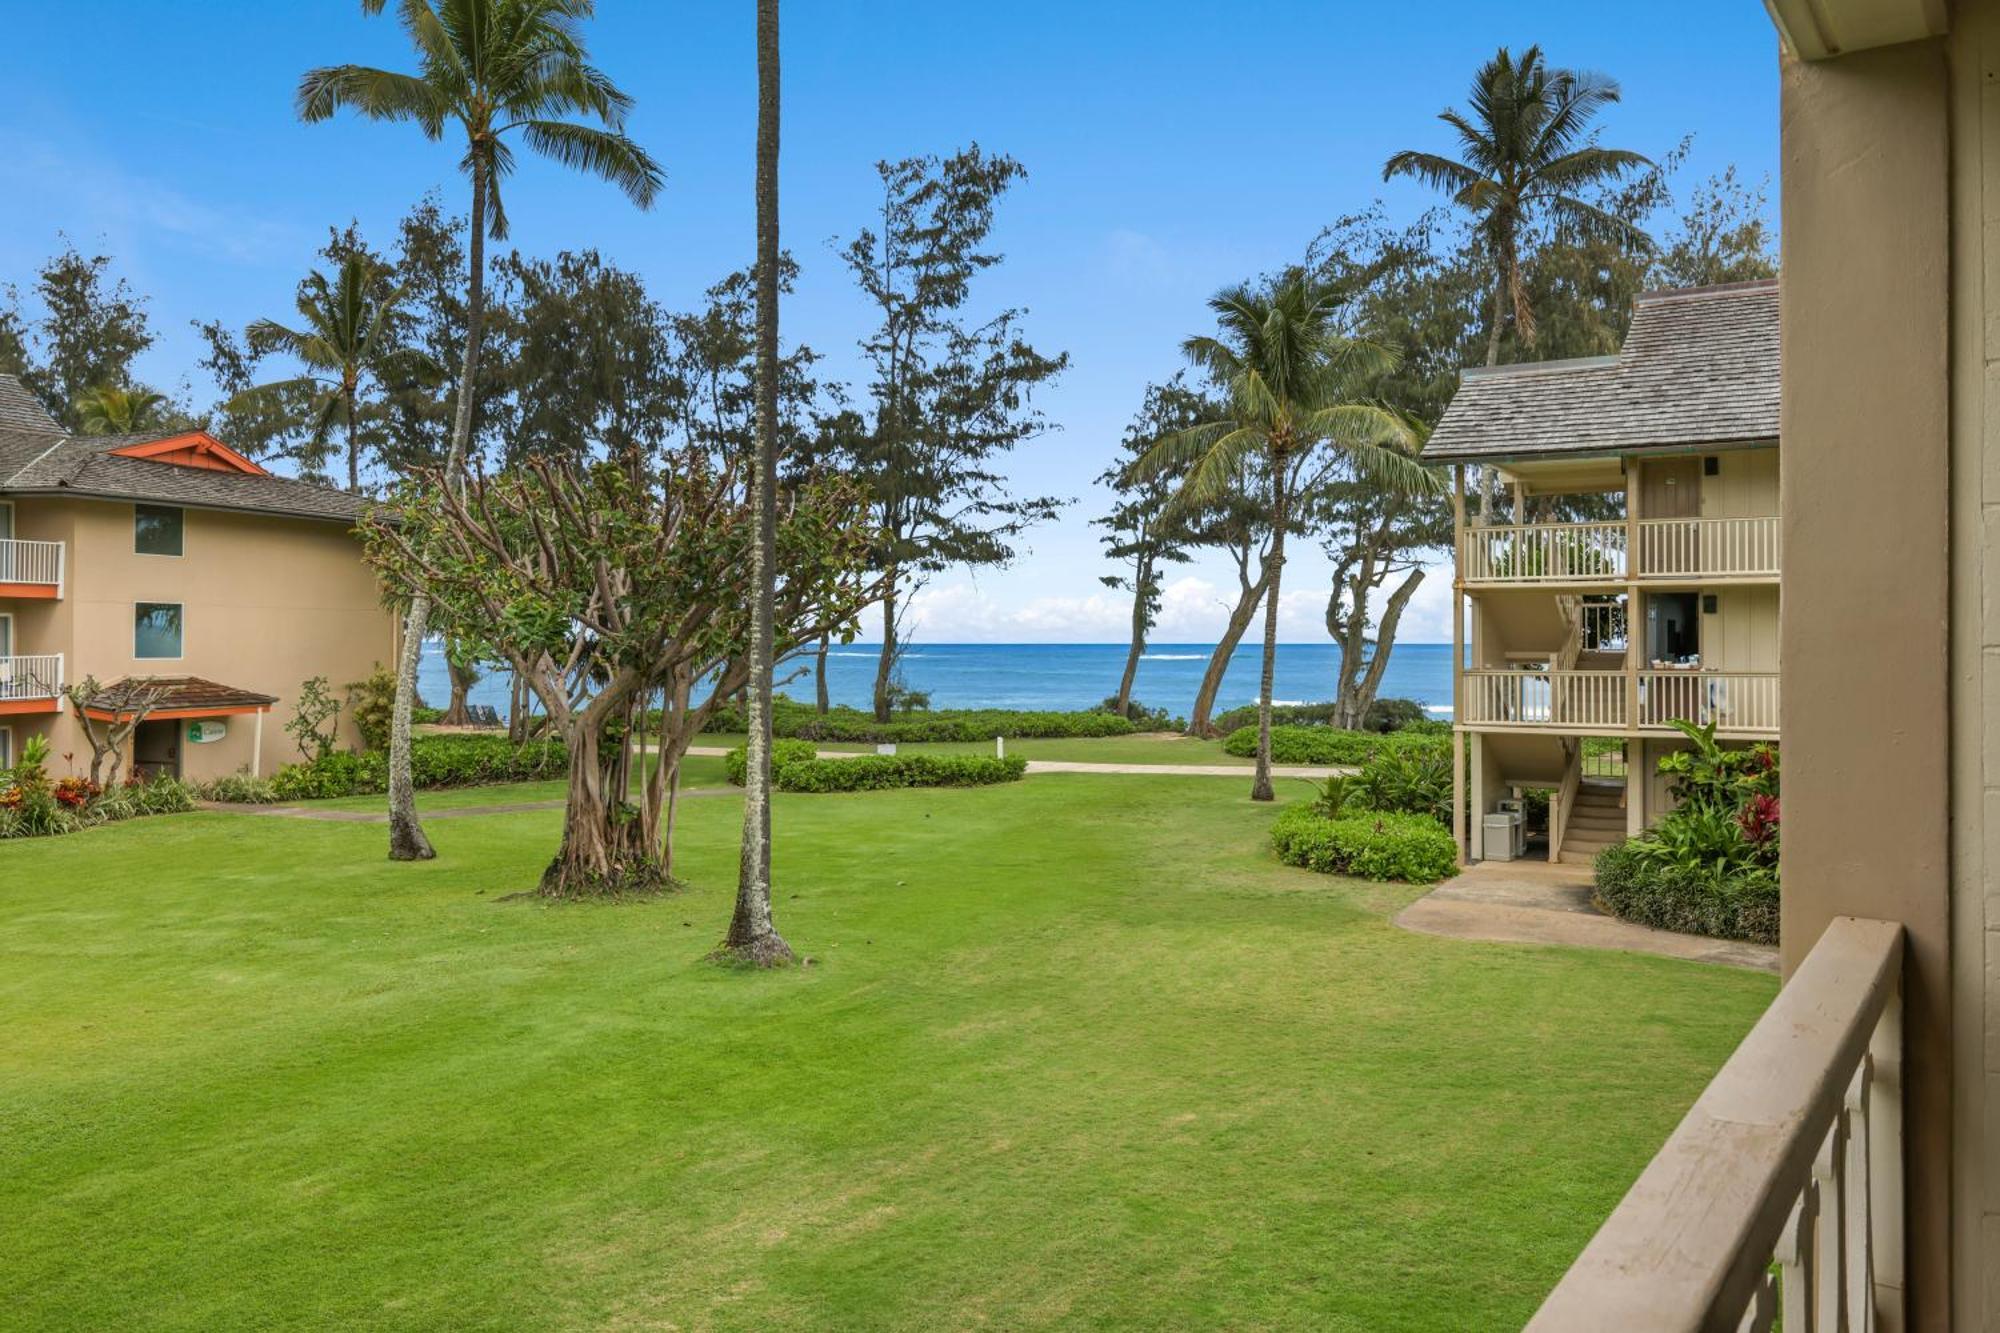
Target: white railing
{"points": [[1735, 701], [31, 562], [1546, 698], [1544, 553], [1728, 547], [24, 678], [1791, 1158]]}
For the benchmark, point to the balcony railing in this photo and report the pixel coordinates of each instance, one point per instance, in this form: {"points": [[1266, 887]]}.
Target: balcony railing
{"points": [[1544, 553], [1582, 553], [1739, 703], [1792, 1159], [1709, 547], [31, 679], [36, 563]]}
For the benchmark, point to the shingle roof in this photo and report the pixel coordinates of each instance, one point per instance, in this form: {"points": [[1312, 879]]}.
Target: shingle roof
{"points": [[42, 460], [21, 410], [1699, 367], [190, 694]]}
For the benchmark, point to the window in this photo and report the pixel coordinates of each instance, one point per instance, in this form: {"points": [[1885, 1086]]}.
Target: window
{"points": [[156, 530], [6, 747], [1711, 466], [156, 629]]}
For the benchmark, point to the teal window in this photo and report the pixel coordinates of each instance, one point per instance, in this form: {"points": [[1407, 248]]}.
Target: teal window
{"points": [[156, 529], [156, 629]]}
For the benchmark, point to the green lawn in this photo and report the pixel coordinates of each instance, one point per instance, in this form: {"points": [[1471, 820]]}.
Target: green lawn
{"points": [[1071, 1052]]}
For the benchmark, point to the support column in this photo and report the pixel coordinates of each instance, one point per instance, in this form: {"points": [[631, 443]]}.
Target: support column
{"points": [[1459, 832], [1478, 812]]}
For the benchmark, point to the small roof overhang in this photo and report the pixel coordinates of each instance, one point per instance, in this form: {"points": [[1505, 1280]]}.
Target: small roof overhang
{"points": [[174, 697]]}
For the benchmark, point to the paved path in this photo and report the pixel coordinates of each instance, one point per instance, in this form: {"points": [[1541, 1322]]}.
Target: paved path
{"points": [[1533, 902], [1314, 772]]}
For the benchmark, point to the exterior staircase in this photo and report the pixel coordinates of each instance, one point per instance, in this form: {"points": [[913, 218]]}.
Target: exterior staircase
{"points": [[1596, 820]]}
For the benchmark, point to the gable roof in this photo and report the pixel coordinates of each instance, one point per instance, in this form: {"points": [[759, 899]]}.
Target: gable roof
{"points": [[21, 410], [174, 696], [1699, 367], [44, 460]]}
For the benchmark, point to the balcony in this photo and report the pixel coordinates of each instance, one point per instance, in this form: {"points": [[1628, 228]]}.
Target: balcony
{"points": [[1586, 554], [31, 684], [31, 569], [1742, 704], [1780, 1196]]}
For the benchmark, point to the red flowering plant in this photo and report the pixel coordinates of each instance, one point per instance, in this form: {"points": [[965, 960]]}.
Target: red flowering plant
{"points": [[76, 792], [1759, 821]]}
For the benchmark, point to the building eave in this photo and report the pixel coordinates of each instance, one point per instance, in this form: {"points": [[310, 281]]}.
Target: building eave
{"points": [[1824, 29]]}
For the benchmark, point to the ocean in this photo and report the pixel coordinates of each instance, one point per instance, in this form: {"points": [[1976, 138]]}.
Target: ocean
{"points": [[1066, 675]]}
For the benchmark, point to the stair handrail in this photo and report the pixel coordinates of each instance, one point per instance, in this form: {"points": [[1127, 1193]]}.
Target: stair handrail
{"points": [[1565, 796]]}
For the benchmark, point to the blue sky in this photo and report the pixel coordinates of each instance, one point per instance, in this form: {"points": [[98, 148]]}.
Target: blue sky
{"points": [[1171, 148]]}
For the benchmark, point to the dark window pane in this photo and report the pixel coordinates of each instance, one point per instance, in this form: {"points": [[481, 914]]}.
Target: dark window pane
{"points": [[156, 530], [157, 630]]}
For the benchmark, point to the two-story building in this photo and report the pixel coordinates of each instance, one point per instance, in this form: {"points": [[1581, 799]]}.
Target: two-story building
{"points": [[1628, 576], [174, 570]]}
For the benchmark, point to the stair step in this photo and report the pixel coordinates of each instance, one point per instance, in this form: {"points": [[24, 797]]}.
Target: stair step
{"points": [[1605, 823], [1593, 841]]}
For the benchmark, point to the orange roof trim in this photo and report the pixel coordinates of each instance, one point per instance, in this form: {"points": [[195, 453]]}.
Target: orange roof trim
{"points": [[196, 449]]}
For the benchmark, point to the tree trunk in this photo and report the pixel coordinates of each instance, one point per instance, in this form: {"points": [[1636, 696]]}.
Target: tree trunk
{"points": [[1141, 576], [886, 664], [517, 713], [1274, 565], [1360, 674], [456, 714], [821, 702], [1218, 662], [406, 835], [353, 447], [753, 936], [603, 853]]}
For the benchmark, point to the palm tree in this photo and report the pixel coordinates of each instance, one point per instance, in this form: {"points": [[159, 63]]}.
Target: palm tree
{"points": [[753, 936], [109, 410], [494, 68], [1292, 411], [1526, 151], [349, 325]]}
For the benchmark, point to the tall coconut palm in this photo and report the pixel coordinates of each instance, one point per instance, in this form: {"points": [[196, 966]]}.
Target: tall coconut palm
{"points": [[1293, 409], [1525, 152], [494, 69], [753, 936], [348, 337], [111, 410]]}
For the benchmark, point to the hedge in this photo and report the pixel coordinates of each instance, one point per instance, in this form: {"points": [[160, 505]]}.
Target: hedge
{"points": [[1636, 887], [878, 772], [72, 805], [798, 721], [736, 764], [1413, 848], [1331, 745], [457, 760], [1382, 715]]}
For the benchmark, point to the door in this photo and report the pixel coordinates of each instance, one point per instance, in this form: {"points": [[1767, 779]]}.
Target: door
{"points": [[156, 750], [1670, 489], [6, 539]]}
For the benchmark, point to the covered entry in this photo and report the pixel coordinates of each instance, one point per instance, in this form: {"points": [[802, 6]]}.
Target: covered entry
{"points": [[174, 712]]}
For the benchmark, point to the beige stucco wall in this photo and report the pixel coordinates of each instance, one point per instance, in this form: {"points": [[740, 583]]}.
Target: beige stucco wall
{"points": [[1863, 634], [267, 603]]}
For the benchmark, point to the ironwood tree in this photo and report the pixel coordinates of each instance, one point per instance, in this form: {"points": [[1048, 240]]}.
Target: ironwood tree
{"points": [[1140, 532], [78, 328], [950, 394]]}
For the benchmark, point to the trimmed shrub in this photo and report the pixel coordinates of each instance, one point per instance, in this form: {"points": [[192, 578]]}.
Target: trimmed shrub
{"points": [[801, 721], [791, 771], [1654, 891], [1413, 848], [1330, 745], [73, 804], [238, 789], [736, 764], [458, 760]]}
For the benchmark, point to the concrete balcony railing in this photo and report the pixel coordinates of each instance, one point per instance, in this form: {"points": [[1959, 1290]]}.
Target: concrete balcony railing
{"points": [[1739, 703], [31, 568], [1601, 553], [1791, 1159], [31, 680]]}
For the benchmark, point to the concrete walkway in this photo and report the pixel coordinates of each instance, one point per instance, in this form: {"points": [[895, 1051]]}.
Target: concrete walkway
{"points": [[1312, 772], [1533, 902]]}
